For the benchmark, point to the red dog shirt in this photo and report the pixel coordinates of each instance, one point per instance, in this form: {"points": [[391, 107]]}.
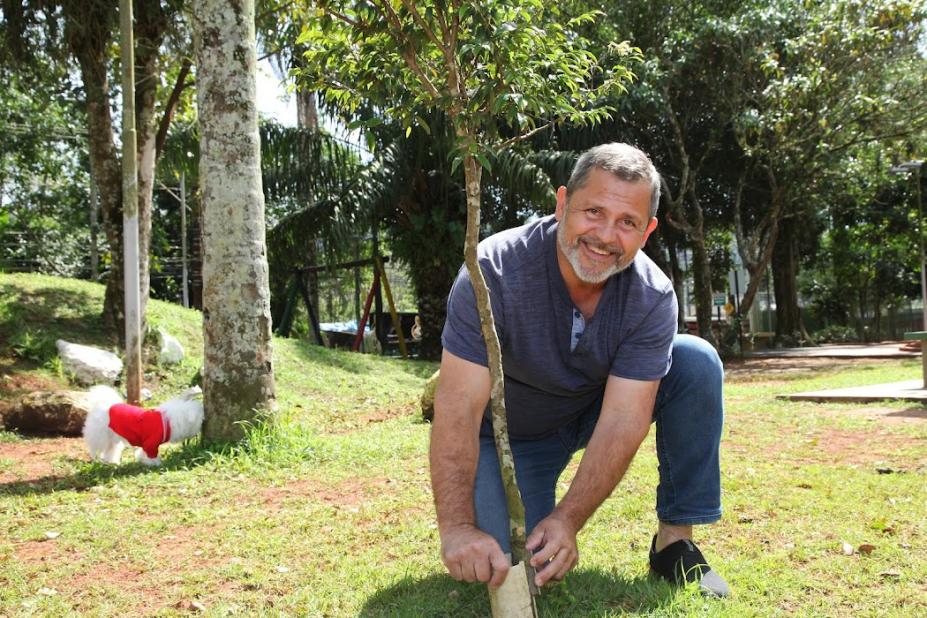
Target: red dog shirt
{"points": [[147, 429]]}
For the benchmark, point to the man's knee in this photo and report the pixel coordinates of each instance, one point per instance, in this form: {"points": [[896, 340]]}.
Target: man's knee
{"points": [[696, 361]]}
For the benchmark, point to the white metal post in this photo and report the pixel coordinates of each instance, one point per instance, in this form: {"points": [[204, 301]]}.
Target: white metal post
{"points": [[130, 210], [183, 237]]}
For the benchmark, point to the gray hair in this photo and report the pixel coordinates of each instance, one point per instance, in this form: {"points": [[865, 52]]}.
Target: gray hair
{"points": [[621, 160]]}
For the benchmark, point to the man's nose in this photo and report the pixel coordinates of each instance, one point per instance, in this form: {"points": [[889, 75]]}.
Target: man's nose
{"points": [[610, 234]]}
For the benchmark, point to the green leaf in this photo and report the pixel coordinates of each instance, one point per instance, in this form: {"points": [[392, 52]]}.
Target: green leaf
{"points": [[483, 161]]}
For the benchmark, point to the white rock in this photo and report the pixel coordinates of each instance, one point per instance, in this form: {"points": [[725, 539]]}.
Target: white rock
{"points": [[88, 364], [171, 351]]}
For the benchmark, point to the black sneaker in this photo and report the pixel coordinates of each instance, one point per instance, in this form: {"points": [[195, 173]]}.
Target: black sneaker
{"points": [[682, 562]]}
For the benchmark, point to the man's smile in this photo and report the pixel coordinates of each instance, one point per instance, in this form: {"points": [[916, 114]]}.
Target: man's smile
{"points": [[599, 249]]}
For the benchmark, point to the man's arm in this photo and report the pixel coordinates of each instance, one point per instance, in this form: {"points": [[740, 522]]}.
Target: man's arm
{"points": [[627, 409], [463, 392]]}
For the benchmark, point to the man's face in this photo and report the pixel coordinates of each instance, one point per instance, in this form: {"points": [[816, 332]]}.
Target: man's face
{"points": [[603, 224]]}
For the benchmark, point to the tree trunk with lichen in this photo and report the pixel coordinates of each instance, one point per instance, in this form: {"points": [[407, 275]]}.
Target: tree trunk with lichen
{"points": [[238, 377]]}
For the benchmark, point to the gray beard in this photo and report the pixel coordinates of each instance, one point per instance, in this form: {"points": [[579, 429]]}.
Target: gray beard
{"points": [[571, 253]]}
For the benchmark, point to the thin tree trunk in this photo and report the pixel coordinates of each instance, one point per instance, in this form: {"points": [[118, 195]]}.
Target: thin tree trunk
{"points": [[473, 173], [238, 376], [89, 40], [94, 230], [307, 110], [756, 249], [701, 274], [90, 46], [785, 266], [678, 278], [307, 117]]}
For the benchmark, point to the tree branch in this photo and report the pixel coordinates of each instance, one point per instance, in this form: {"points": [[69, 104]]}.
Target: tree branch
{"points": [[417, 18], [520, 138], [180, 84], [405, 45]]}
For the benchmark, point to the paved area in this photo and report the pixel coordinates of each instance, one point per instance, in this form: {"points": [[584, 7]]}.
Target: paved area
{"points": [[910, 390], [885, 349]]}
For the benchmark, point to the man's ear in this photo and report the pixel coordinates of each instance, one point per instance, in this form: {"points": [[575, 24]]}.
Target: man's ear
{"points": [[561, 203], [650, 228]]}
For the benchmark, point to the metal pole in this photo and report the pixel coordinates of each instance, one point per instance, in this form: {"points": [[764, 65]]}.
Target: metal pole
{"points": [[130, 210], [920, 230], [183, 238]]}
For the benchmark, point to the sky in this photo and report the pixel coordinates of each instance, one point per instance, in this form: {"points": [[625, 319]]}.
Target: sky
{"points": [[273, 99]]}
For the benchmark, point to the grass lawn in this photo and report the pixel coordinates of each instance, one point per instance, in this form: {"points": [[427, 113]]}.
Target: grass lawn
{"points": [[330, 514]]}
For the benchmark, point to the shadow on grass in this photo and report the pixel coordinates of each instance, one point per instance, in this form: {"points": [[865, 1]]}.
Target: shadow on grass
{"points": [[91, 474], [583, 593], [35, 319], [914, 412]]}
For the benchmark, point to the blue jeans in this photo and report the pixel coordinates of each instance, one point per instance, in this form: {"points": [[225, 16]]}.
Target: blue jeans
{"points": [[689, 414]]}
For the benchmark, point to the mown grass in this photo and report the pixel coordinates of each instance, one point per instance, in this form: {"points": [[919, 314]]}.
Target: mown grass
{"points": [[329, 513]]}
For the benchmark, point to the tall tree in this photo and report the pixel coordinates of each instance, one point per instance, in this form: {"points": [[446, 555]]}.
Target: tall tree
{"points": [[238, 374], [84, 31], [815, 80]]}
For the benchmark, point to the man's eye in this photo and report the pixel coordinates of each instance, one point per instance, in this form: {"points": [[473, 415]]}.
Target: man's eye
{"points": [[592, 211], [629, 224]]}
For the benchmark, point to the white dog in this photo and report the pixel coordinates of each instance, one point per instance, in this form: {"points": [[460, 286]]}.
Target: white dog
{"points": [[112, 424]]}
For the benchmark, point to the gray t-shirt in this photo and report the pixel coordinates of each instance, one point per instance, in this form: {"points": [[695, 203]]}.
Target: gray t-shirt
{"points": [[549, 379]]}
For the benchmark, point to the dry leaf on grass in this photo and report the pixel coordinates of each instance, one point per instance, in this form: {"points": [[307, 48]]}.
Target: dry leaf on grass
{"points": [[865, 548]]}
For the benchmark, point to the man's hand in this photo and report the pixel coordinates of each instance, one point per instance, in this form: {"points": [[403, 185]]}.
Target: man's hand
{"points": [[553, 542], [471, 555]]}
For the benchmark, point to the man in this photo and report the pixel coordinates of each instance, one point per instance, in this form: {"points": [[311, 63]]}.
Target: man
{"points": [[587, 325]]}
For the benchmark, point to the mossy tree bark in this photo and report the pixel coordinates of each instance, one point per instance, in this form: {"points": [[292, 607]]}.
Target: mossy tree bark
{"points": [[238, 377]]}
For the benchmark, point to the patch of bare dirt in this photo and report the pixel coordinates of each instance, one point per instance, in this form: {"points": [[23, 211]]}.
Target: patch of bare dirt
{"points": [[37, 551], [773, 369], [377, 416], [346, 494], [153, 587], [35, 458], [15, 383], [866, 447], [913, 415]]}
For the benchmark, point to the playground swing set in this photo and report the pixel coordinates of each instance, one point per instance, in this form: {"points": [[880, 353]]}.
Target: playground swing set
{"points": [[297, 289]]}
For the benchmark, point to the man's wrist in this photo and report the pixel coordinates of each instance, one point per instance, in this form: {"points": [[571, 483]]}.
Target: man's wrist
{"points": [[455, 526], [565, 513]]}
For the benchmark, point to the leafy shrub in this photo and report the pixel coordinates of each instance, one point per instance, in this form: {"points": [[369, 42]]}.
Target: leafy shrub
{"points": [[35, 346], [836, 334]]}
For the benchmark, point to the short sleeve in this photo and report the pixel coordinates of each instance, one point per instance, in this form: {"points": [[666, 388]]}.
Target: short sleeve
{"points": [[462, 335], [646, 353]]}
